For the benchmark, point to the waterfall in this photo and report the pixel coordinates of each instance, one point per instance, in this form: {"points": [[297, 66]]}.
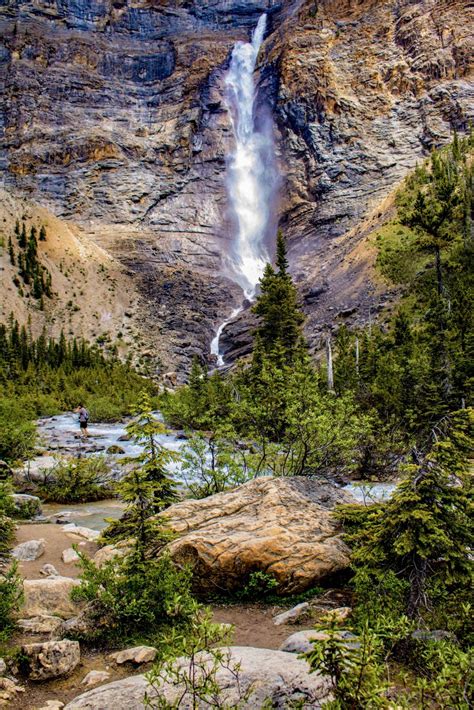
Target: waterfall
{"points": [[252, 177]]}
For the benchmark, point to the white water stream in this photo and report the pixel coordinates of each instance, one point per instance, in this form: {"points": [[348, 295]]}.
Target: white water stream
{"points": [[252, 177]]}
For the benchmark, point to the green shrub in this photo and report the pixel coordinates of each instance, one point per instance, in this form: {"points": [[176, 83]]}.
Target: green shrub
{"points": [[133, 598], [77, 481], [260, 585], [11, 595], [6, 523], [18, 433]]}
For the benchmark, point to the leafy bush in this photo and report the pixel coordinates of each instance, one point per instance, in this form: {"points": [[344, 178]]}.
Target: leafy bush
{"points": [[195, 680], [77, 481], [6, 523], [133, 598], [11, 595], [211, 464], [18, 433], [260, 585]]}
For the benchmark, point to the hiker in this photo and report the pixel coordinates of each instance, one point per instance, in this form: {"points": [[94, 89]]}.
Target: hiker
{"points": [[83, 420]]}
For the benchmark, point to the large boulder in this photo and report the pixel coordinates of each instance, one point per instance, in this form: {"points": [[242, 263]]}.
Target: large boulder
{"points": [[256, 674], [50, 596], [51, 659], [281, 526]]}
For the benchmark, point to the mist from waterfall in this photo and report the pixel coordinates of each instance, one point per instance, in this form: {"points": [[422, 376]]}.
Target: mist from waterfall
{"points": [[252, 176]]}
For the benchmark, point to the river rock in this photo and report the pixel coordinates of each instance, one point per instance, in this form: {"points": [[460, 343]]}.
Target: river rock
{"points": [[49, 570], [51, 659], [73, 530], [94, 677], [115, 450], [27, 506], [52, 705], [292, 616], [3, 667], [282, 526], [50, 596], [29, 551], [69, 556], [44, 624], [138, 654], [274, 676]]}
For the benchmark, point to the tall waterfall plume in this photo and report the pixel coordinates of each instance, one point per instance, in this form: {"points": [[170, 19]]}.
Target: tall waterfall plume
{"points": [[252, 176]]}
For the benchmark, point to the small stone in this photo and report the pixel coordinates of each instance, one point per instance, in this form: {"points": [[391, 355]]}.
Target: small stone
{"points": [[292, 615], [94, 677], [138, 654], [81, 531], [301, 641], [48, 570], [52, 705], [114, 449], [124, 437], [69, 556], [51, 659], [29, 551], [3, 667]]}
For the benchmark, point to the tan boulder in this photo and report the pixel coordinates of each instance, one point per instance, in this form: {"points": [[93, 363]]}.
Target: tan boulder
{"points": [[281, 526], [50, 597], [51, 659]]}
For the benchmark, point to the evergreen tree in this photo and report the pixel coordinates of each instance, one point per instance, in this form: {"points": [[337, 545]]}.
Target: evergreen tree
{"points": [[11, 251], [433, 213], [153, 462], [280, 318], [42, 234], [281, 258], [423, 533], [22, 237]]}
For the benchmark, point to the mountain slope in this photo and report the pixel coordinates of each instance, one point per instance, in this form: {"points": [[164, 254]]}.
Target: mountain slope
{"points": [[115, 120]]}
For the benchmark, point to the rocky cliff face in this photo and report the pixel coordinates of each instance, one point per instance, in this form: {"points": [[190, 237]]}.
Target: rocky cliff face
{"points": [[114, 119]]}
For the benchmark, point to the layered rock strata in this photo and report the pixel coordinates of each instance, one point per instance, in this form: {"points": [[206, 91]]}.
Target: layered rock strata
{"points": [[114, 118]]}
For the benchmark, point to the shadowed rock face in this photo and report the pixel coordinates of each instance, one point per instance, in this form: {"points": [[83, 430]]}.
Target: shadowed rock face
{"points": [[114, 118]]}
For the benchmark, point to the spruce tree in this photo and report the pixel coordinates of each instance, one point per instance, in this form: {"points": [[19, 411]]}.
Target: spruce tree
{"points": [[11, 251], [280, 318], [423, 534], [42, 234], [153, 462], [22, 237]]}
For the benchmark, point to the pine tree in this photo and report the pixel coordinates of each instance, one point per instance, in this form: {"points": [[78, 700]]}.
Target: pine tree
{"points": [[42, 234], [433, 213], [22, 237], [11, 251], [154, 460], [280, 318], [281, 258], [424, 533]]}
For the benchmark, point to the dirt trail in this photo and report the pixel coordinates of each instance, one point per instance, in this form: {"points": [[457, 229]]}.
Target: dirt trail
{"points": [[253, 623], [56, 541]]}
